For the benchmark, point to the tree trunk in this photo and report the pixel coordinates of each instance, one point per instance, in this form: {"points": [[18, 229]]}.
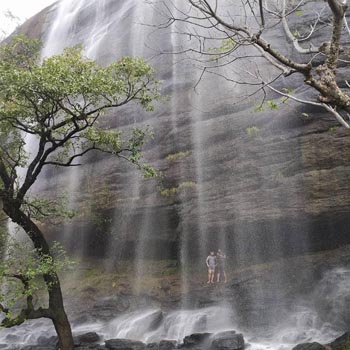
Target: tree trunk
{"points": [[56, 306], [63, 330], [60, 319]]}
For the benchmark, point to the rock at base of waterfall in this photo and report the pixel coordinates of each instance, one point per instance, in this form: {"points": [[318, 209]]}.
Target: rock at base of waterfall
{"points": [[36, 347], [152, 346], [310, 346], [87, 338], [229, 340], [124, 344], [196, 339], [167, 345], [51, 342], [90, 347], [341, 343]]}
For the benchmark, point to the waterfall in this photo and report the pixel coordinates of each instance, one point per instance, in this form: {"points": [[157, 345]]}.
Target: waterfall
{"points": [[221, 182]]}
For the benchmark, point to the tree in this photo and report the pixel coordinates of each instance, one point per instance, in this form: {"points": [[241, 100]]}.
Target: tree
{"points": [[244, 31], [58, 103]]}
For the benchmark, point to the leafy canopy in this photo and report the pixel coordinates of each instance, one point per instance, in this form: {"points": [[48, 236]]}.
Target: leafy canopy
{"points": [[60, 101]]}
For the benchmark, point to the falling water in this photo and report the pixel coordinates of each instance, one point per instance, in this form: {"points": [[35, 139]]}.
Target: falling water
{"points": [[191, 120]]}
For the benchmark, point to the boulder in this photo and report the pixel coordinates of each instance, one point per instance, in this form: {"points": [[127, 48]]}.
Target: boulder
{"points": [[154, 320], [49, 342], [229, 340], [124, 344], [309, 346], [341, 343], [167, 345], [90, 347], [87, 338], [37, 347], [196, 339], [152, 346]]}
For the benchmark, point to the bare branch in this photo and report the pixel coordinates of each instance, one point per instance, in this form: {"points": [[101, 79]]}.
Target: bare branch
{"points": [[291, 37], [326, 106]]}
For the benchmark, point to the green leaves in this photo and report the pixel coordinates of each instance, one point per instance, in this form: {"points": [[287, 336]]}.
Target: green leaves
{"points": [[60, 101], [22, 264], [107, 140], [226, 46], [49, 210]]}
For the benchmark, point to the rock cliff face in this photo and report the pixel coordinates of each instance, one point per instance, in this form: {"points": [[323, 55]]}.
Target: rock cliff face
{"points": [[261, 185]]}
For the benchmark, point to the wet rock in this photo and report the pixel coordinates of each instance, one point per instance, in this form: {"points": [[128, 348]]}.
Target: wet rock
{"points": [[90, 347], [87, 338], [341, 343], [49, 342], [196, 339], [155, 320], [229, 340], [310, 346], [165, 286], [108, 308], [124, 344], [167, 345], [11, 338], [37, 347], [152, 346]]}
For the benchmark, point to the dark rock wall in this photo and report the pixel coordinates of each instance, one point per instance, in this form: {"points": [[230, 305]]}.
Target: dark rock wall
{"points": [[261, 185]]}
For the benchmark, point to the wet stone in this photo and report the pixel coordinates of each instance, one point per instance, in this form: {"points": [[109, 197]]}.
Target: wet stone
{"points": [[90, 347], [152, 346], [87, 338], [229, 340], [124, 344], [310, 346], [167, 345], [341, 343], [196, 339]]}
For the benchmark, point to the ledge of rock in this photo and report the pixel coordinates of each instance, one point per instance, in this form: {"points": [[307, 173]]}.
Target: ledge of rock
{"points": [[124, 344], [229, 340]]}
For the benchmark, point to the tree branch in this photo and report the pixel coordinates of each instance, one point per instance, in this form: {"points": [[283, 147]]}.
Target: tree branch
{"points": [[291, 37], [26, 314]]}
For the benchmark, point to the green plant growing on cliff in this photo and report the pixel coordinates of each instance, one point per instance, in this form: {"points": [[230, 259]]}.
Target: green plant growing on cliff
{"points": [[171, 191], [99, 197], [253, 131], [248, 53], [56, 105], [172, 157]]}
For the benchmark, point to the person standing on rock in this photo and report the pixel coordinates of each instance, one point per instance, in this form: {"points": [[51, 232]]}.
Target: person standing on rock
{"points": [[211, 263], [221, 262]]}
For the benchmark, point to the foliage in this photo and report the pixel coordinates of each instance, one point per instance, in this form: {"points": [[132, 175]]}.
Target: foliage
{"points": [[52, 210], [3, 234], [333, 129], [58, 103], [23, 264], [253, 131], [61, 100], [171, 191], [172, 157], [305, 116]]}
